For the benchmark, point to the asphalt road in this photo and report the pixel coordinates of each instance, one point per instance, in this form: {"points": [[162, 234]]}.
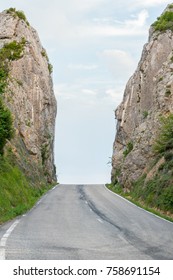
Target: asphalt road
{"points": [[76, 222]]}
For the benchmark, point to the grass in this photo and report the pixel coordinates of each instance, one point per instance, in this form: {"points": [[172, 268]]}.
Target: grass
{"points": [[17, 195], [129, 196]]}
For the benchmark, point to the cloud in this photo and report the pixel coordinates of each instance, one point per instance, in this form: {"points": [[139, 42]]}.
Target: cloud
{"points": [[67, 91], [109, 27], [89, 92], [82, 66], [120, 63]]}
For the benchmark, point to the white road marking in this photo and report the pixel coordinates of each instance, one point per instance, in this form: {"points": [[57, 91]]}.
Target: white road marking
{"points": [[4, 238], [138, 206]]}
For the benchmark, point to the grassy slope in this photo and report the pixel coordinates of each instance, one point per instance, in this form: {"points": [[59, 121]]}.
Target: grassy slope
{"points": [[17, 195]]}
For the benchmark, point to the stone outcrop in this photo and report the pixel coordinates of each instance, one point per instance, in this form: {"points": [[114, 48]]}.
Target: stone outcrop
{"points": [[148, 96], [29, 96]]}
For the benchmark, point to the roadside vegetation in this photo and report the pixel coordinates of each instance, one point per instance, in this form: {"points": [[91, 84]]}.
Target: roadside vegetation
{"points": [[156, 192], [17, 194]]}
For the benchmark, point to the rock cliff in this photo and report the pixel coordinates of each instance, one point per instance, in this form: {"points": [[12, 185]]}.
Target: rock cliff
{"points": [[148, 96], [28, 92]]}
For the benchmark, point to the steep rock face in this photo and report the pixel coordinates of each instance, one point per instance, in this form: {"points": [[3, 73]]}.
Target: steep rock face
{"points": [[29, 96], [147, 97]]}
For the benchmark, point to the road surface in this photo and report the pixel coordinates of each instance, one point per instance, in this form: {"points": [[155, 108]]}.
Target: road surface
{"points": [[77, 222]]}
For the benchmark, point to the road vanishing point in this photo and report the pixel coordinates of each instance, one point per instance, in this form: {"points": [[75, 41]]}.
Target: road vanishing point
{"points": [[86, 222]]}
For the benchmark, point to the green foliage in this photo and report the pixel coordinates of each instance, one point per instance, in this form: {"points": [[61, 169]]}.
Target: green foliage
{"points": [[16, 193], [145, 114], [6, 126], [44, 54], [11, 10], [117, 188], [170, 6], [157, 192], [160, 79], [9, 52], [50, 68], [12, 51], [44, 152], [164, 139], [19, 14], [115, 176], [168, 155], [164, 22], [167, 92], [128, 149]]}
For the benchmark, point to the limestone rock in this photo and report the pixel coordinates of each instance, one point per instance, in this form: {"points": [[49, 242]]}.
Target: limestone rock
{"points": [[148, 95], [30, 97]]}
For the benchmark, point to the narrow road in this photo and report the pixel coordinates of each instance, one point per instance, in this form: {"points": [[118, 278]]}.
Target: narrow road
{"points": [[86, 222]]}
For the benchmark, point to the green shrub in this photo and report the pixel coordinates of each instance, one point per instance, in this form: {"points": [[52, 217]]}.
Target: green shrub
{"points": [[19, 14], [128, 149], [10, 51], [164, 22], [157, 192], [167, 92], [145, 114], [168, 156], [50, 68], [164, 139], [6, 126]]}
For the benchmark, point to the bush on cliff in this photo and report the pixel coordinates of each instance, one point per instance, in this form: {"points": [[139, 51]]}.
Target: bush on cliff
{"points": [[6, 126], [164, 22]]}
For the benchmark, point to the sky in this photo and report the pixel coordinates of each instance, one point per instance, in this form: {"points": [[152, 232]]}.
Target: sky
{"points": [[94, 47]]}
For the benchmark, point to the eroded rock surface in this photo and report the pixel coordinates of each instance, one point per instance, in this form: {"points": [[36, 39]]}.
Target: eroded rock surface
{"points": [[30, 97], [147, 97]]}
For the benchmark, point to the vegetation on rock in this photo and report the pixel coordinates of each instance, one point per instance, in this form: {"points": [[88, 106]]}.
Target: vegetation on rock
{"points": [[19, 14], [9, 52], [155, 192], [164, 22], [164, 141], [128, 149], [6, 126]]}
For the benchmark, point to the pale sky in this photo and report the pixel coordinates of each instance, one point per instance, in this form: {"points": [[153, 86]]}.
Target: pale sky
{"points": [[94, 47]]}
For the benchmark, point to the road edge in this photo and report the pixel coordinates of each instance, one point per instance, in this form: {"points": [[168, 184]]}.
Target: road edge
{"points": [[130, 202]]}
